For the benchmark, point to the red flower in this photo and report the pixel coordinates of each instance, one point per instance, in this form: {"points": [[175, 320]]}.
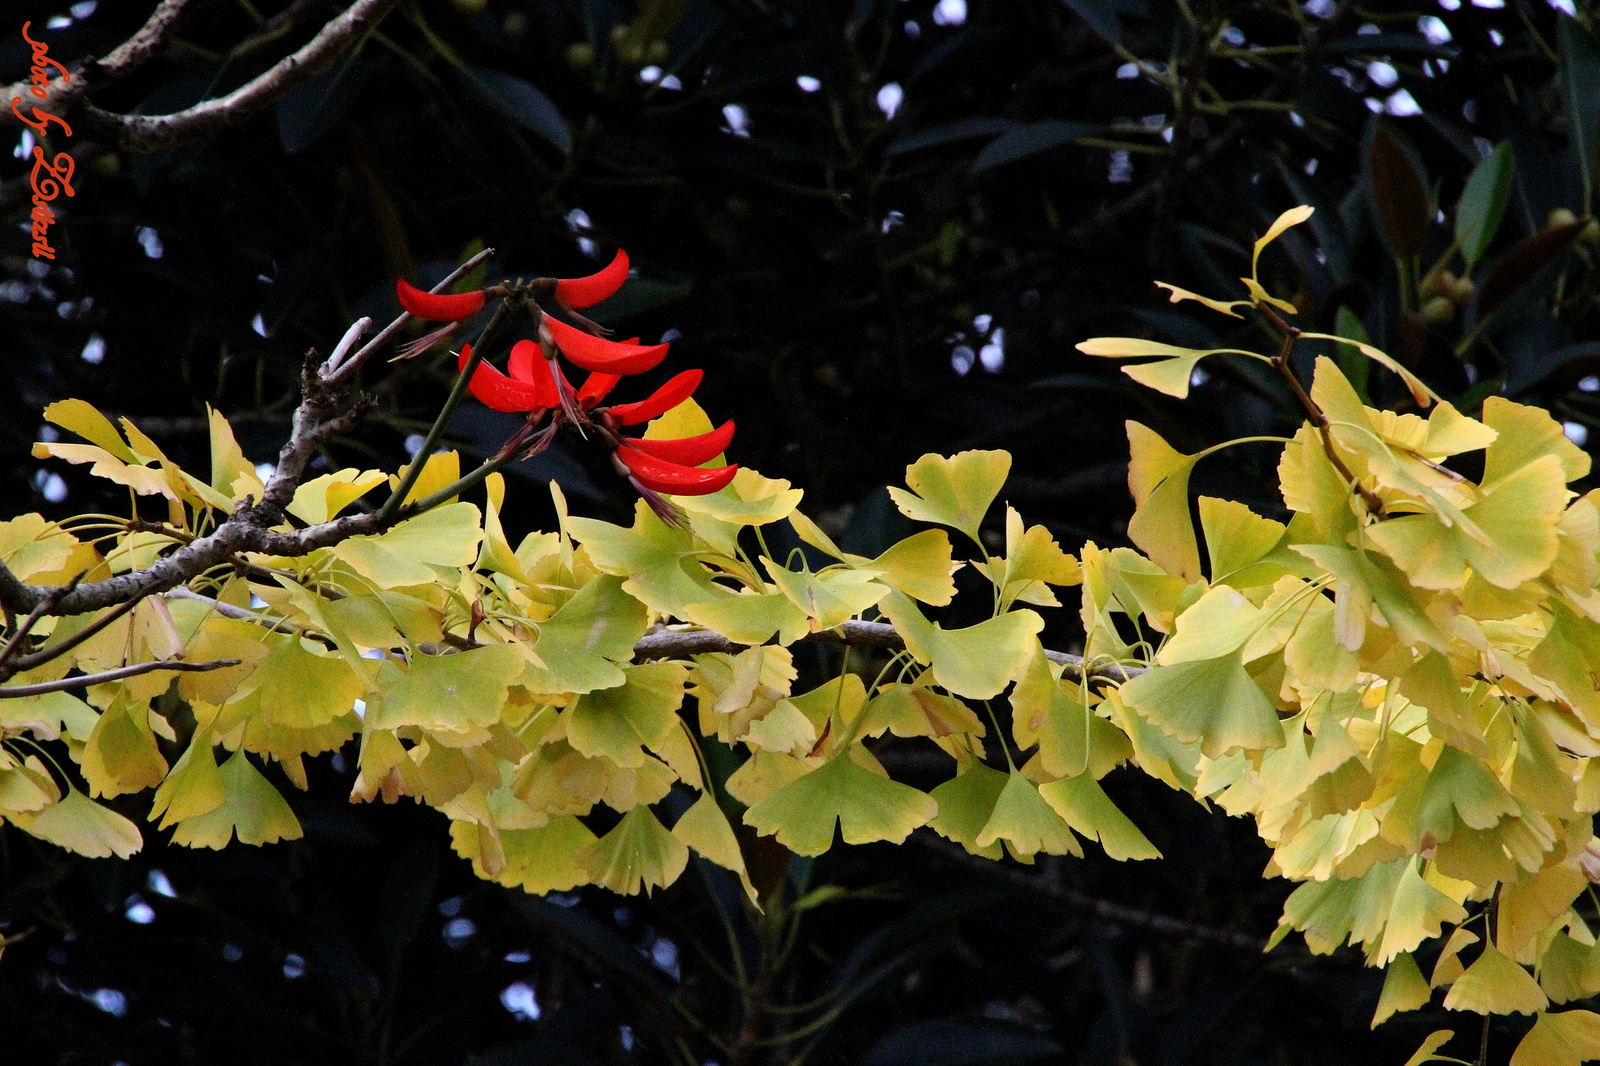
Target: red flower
{"points": [[437, 306], [687, 451], [508, 394], [659, 475], [677, 389], [586, 292], [600, 355]]}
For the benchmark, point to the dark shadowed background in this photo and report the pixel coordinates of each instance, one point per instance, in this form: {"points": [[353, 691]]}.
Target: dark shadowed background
{"points": [[880, 227]]}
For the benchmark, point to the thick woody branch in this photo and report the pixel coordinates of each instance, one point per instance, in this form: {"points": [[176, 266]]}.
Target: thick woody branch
{"points": [[63, 93], [153, 133]]}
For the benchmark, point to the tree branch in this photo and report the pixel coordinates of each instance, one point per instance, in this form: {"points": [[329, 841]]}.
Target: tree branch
{"points": [[664, 642], [61, 94], [152, 133], [69, 683]]}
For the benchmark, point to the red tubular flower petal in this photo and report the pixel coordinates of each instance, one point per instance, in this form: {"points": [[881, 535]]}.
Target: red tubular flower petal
{"points": [[677, 389], [674, 478], [602, 356], [529, 366], [498, 391], [690, 451], [586, 292], [438, 306], [595, 388]]}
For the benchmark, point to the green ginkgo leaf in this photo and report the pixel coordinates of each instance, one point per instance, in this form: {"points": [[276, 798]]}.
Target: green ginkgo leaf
{"points": [[194, 786], [451, 692], [1084, 805], [538, 860], [1170, 374], [751, 617], [831, 597], [1027, 823], [866, 806], [254, 810], [616, 723], [1220, 622], [955, 491], [977, 662], [637, 854], [1237, 538], [302, 687], [656, 560], [580, 645], [446, 536], [1524, 435], [966, 803], [1211, 701]]}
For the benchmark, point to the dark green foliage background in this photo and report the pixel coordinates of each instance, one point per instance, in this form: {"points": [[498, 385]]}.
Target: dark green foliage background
{"points": [[821, 269]]}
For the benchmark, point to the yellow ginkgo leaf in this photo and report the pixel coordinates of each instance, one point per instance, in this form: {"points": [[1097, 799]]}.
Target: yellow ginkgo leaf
{"points": [[830, 598], [955, 491], [637, 854], [656, 560], [1524, 435], [194, 786], [749, 500], [83, 827], [451, 692], [1171, 374], [1158, 477], [580, 646], [705, 828], [1425, 1053], [1177, 295], [1236, 538], [1566, 1039], [1219, 622], [1403, 989], [538, 860], [1494, 984], [1292, 217]]}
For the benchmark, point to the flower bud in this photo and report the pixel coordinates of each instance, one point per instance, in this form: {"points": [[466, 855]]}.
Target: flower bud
{"points": [[1439, 311], [1561, 216]]}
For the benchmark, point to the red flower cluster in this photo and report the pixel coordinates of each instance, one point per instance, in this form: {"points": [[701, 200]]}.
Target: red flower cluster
{"points": [[535, 383]]}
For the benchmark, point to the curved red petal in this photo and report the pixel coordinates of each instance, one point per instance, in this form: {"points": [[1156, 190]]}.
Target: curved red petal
{"points": [[677, 389], [528, 365], [595, 388], [497, 391], [674, 478], [602, 356], [586, 292], [438, 306], [690, 451]]}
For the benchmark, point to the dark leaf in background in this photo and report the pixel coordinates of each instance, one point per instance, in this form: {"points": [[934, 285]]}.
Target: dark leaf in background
{"points": [[1029, 140], [1522, 263], [961, 1042], [1100, 16], [521, 102], [1483, 203], [1399, 190], [321, 103], [1580, 58], [947, 133]]}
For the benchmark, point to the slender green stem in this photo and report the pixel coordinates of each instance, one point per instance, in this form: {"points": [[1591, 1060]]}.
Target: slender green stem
{"points": [[457, 393]]}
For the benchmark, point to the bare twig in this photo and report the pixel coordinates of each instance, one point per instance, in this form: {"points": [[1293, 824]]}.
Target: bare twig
{"points": [[664, 642], [343, 373], [49, 652], [44, 607], [342, 349], [152, 133], [68, 683]]}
